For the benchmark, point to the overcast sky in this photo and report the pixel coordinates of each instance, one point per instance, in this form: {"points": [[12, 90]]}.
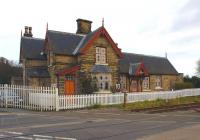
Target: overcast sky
{"points": [[151, 27]]}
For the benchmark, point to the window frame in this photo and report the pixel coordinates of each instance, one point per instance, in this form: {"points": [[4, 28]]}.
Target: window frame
{"points": [[102, 81], [146, 81], [100, 54], [158, 84]]}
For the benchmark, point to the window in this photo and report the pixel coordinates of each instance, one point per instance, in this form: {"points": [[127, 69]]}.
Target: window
{"points": [[158, 81], [123, 82], [100, 55], [146, 83], [69, 77], [103, 81]]}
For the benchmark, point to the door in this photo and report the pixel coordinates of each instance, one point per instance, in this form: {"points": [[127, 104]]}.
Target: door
{"points": [[69, 85]]}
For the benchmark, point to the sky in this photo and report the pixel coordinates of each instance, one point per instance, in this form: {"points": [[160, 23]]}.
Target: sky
{"points": [[150, 27]]}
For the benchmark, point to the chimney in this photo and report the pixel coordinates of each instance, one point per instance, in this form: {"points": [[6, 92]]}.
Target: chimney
{"points": [[28, 31], [83, 26]]}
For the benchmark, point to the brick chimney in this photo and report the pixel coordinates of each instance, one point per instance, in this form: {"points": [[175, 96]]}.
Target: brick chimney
{"points": [[83, 26], [28, 31]]}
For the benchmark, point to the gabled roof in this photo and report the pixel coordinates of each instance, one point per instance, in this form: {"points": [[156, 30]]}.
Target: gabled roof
{"points": [[63, 42], [91, 37], [31, 48], [154, 65], [74, 44], [136, 68]]}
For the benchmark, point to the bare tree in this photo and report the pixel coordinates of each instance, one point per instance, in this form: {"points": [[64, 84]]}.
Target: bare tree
{"points": [[8, 69]]}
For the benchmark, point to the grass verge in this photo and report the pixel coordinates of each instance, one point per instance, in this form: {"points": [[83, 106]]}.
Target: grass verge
{"points": [[152, 104]]}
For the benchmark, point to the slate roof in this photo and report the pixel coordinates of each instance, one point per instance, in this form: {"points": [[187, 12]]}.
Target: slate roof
{"points": [[31, 48], [85, 40], [63, 42], [100, 69], [154, 65], [40, 72]]}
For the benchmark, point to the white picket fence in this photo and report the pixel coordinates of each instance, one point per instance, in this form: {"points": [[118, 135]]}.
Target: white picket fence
{"points": [[47, 98], [82, 101], [27, 97]]}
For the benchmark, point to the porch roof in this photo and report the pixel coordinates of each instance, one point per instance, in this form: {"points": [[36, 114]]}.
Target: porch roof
{"points": [[100, 69]]}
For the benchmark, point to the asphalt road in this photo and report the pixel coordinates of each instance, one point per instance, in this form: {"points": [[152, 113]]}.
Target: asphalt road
{"points": [[103, 124]]}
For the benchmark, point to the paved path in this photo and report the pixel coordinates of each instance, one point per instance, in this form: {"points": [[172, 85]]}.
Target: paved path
{"points": [[102, 124]]}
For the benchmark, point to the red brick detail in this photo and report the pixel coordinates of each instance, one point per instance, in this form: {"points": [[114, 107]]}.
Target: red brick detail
{"points": [[142, 68], [68, 71]]}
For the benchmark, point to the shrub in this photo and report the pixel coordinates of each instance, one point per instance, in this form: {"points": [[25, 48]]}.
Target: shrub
{"points": [[183, 85], [87, 85]]}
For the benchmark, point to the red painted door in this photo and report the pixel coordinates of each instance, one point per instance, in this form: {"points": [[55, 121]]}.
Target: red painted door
{"points": [[69, 87]]}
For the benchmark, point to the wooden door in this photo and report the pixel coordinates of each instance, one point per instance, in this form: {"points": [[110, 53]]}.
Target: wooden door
{"points": [[69, 85]]}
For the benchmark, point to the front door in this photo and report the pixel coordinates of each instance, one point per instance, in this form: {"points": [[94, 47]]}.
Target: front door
{"points": [[69, 85]]}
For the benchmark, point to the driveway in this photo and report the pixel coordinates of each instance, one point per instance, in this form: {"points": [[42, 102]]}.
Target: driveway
{"points": [[99, 124]]}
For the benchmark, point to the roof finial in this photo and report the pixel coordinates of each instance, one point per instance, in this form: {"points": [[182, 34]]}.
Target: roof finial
{"points": [[102, 22], [21, 33], [47, 26], [165, 54]]}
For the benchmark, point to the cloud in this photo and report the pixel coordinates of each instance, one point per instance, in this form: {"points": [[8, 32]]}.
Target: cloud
{"points": [[188, 16]]}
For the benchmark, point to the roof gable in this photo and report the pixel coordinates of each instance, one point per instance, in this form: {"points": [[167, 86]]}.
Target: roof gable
{"points": [[88, 40]]}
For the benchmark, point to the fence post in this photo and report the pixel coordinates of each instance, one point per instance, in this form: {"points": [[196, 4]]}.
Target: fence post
{"points": [[6, 95], [57, 99], [125, 99]]}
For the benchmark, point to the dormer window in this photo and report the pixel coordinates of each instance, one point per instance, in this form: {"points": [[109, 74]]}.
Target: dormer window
{"points": [[100, 55]]}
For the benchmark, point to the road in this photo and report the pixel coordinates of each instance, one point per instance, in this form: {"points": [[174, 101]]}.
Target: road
{"points": [[101, 124]]}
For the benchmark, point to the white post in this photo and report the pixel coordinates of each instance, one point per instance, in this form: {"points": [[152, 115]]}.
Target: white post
{"points": [[57, 99], [6, 94]]}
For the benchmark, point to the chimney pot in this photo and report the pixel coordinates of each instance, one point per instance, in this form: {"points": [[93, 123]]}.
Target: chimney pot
{"points": [[30, 32], [83, 26], [26, 31]]}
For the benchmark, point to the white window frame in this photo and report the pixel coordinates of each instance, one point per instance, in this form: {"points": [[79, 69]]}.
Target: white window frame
{"points": [[158, 82], [123, 82], [101, 80], [100, 55], [145, 83]]}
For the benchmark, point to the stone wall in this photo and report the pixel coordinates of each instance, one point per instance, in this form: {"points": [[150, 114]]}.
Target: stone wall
{"points": [[167, 81], [88, 59], [39, 81], [35, 63]]}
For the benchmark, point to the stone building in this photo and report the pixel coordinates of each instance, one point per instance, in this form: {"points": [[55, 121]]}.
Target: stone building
{"points": [[62, 58]]}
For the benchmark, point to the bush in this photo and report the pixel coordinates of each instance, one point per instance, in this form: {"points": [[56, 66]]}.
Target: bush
{"points": [[87, 85], [183, 85]]}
